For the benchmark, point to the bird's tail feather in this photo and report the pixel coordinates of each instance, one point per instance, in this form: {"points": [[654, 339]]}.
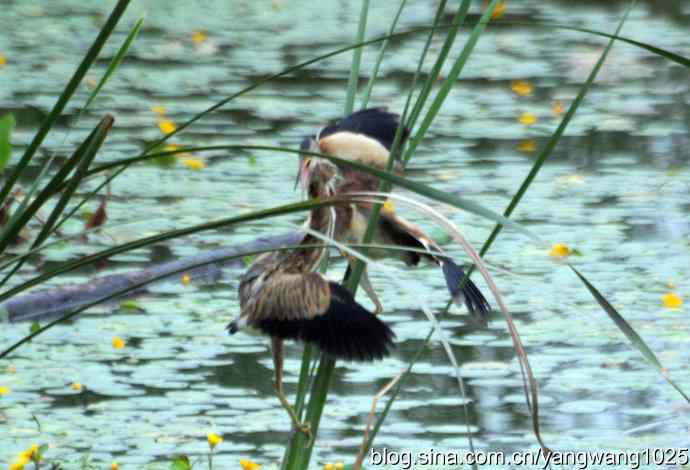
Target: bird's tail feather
{"points": [[475, 301]]}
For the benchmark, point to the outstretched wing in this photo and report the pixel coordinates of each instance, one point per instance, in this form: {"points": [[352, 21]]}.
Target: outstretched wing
{"points": [[396, 230], [344, 329]]}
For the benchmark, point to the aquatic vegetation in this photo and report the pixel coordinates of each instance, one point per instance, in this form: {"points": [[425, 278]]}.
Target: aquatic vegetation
{"points": [[173, 354]]}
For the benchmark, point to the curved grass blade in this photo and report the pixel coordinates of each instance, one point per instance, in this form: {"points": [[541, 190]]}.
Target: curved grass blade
{"points": [[635, 339], [66, 95], [115, 63]]}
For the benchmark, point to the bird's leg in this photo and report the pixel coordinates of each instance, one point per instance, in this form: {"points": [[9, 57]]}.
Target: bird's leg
{"points": [[369, 290], [277, 348]]}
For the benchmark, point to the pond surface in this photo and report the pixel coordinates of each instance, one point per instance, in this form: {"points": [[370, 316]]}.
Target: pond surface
{"points": [[616, 189]]}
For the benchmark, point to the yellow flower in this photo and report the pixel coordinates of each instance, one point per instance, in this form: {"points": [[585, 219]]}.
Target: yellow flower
{"points": [[186, 279], [527, 119], [31, 453], [388, 206], [328, 466], [527, 146], [194, 163], [159, 109], [557, 108], [559, 250], [522, 87], [672, 300], [4, 390], [114, 466], [339, 466], [249, 465], [118, 343], [3, 59], [213, 440], [498, 11], [199, 36], [21, 461], [167, 126], [76, 386]]}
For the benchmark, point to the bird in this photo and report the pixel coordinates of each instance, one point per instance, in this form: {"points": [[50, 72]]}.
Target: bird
{"points": [[283, 297], [367, 137]]}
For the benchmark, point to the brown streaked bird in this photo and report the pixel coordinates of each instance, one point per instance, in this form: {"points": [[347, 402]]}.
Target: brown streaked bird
{"points": [[367, 137], [282, 296]]}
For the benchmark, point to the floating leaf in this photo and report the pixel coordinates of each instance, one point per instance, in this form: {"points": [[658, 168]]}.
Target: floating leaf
{"points": [[131, 304], [181, 463]]}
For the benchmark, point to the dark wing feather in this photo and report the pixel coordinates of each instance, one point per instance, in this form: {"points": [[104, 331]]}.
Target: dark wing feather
{"points": [[403, 233], [345, 330], [475, 301]]}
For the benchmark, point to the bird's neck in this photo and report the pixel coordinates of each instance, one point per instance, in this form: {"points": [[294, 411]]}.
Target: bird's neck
{"points": [[321, 219]]}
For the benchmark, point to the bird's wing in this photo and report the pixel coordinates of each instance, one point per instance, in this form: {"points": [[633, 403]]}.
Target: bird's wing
{"points": [[343, 329], [401, 232], [288, 296], [396, 230]]}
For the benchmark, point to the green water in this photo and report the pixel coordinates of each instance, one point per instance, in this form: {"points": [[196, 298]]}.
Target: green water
{"points": [[616, 189]]}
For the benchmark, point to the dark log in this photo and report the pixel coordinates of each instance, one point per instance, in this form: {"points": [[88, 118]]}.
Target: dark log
{"points": [[49, 304]]}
